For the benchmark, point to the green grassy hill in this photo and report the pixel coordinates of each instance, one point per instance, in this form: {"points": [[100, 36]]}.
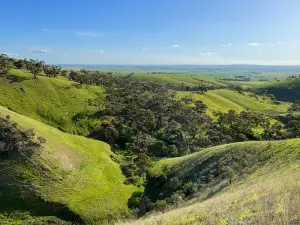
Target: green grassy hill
{"points": [[285, 90], [185, 79], [224, 100], [264, 185], [49, 100], [80, 179]]}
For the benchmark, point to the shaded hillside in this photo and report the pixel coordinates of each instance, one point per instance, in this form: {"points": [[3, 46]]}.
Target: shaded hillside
{"points": [[284, 90], [241, 183], [79, 177], [210, 171], [271, 199], [54, 101]]}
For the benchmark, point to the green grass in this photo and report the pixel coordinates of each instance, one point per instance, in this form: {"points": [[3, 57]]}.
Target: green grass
{"points": [[179, 79], [274, 199], [83, 176], [265, 187], [52, 101], [223, 100]]}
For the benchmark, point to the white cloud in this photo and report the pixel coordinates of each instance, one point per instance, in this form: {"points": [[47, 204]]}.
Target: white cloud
{"points": [[207, 53], [279, 42], [227, 45], [97, 51], [88, 34], [100, 51], [176, 46], [39, 51], [45, 30], [12, 54], [144, 49], [253, 44]]}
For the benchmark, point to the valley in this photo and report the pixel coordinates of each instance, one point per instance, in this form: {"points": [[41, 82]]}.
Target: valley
{"points": [[117, 148]]}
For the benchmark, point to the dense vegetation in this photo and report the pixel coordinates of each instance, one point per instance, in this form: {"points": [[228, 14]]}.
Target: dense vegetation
{"points": [[143, 121]]}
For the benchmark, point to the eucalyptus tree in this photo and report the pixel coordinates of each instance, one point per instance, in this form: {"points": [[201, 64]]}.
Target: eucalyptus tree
{"points": [[5, 64], [36, 67]]}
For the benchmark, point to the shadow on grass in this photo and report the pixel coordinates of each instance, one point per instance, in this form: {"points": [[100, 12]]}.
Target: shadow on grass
{"points": [[17, 79], [14, 198]]}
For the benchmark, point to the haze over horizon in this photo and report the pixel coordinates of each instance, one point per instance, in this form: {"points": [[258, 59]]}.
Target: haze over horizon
{"points": [[153, 32]]}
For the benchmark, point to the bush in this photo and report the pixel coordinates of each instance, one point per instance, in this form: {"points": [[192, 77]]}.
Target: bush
{"points": [[159, 205], [17, 142]]}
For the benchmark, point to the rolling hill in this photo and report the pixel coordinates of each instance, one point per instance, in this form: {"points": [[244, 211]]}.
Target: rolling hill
{"points": [[179, 79], [79, 179], [263, 186], [55, 102], [224, 100], [74, 177]]}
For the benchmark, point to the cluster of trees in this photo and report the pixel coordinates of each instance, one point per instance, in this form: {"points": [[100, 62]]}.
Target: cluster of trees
{"points": [[17, 143], [34, 66]]}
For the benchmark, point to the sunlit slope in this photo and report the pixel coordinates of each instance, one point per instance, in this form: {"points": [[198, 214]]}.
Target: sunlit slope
{"points": [[179, 79], [54, 101], [264, 187], [224, 100], [82, 175]]}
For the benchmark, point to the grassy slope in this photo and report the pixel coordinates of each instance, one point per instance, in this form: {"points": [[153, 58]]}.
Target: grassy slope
{"points": [[224, 100], [52, 101], [286, 89], [86, 180], [264, 191], [187, 80]]}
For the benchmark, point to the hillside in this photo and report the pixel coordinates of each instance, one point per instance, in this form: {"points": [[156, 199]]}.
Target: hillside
{"points": [[179, 79], [284, 90], [55, 102], [224, 100], [251, 182], [80, 179]]}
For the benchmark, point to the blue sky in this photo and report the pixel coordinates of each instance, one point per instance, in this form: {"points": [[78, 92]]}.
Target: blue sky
{"points": [[152, 31]]}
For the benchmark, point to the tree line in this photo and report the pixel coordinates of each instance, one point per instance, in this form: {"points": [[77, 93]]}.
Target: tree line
{"points": [[34, 66]]}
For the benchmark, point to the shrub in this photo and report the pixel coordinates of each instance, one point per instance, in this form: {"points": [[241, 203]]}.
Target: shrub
{"points": [[17, 142]]}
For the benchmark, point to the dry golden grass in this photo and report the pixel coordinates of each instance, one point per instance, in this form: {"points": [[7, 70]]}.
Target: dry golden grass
{"points": [[270, 200]]}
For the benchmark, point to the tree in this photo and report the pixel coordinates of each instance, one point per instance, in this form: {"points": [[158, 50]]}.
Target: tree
{"points": [[36, 67], [293, 128], [52, 71], [295, 107], [20, 64], [5, 64], [273, 131]]}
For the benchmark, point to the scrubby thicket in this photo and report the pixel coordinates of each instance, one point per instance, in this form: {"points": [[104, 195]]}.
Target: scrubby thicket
{"points": [[17, 143]]}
